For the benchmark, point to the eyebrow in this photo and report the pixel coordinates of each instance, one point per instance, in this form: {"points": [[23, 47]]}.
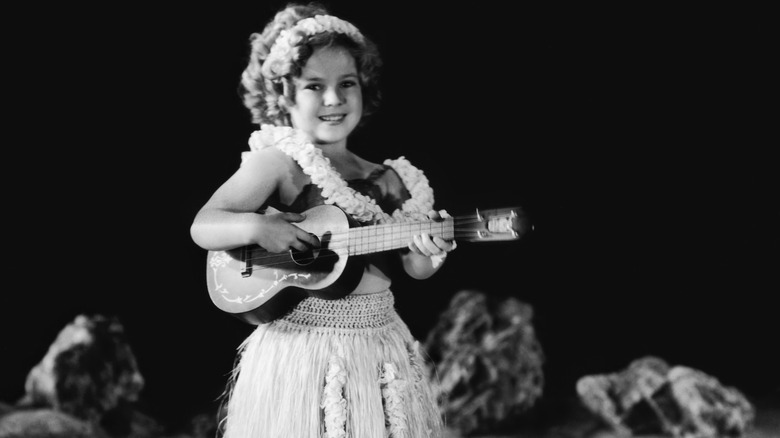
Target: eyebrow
{"points": [[317, 78]]}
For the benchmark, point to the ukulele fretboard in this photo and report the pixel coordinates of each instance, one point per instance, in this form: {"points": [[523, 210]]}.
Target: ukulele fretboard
{"points": [[377, 238]]}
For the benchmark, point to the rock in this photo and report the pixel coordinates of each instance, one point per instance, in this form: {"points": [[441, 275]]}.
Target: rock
{"points": [[708, 408], [487, 360], [48, 423], [5, 409], [651, 397], [617, 398], [87, 371]]}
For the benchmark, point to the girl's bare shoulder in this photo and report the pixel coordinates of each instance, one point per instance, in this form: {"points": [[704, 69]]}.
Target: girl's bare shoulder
{"points": [[269, 162]]}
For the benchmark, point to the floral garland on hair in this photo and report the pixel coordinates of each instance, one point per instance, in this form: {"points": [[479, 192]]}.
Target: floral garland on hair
{"points": [[286, 46], [335, 190]]}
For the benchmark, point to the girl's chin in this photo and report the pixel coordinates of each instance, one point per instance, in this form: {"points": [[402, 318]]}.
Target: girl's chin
{"points": [[333, 133]]}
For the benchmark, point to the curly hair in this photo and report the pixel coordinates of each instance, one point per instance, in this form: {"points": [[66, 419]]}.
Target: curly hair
{"points": [[262, 95]]}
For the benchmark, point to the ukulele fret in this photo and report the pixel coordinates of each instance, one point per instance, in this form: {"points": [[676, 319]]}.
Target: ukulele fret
{"points": [[385, 237]]}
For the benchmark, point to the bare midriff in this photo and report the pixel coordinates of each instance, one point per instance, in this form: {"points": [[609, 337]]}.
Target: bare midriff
{"points": [[373, 281], [375, 278]]}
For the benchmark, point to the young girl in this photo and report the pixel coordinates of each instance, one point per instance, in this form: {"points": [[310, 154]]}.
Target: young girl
{"points": [[337, 368]]}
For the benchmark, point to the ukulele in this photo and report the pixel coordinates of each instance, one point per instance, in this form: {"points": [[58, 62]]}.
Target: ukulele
{"points": [[258, 286]]}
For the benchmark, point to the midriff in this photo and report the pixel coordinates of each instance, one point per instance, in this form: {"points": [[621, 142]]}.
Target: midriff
{"points": [[373, 281]]}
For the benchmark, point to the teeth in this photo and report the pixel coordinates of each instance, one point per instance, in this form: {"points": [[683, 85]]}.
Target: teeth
{"points": [[331, 118]]}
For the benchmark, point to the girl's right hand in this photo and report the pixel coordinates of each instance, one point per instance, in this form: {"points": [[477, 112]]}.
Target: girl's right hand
{"points": [[279, 234]]}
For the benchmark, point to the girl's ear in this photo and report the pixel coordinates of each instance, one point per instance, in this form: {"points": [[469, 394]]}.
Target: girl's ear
{"points": [[284, 103]]}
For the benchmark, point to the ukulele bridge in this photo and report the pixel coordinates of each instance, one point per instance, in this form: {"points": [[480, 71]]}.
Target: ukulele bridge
{"points": [[246, 270]]}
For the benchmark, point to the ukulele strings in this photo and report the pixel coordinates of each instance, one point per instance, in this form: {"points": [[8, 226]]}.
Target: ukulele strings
{"points": [[287, 260], [340, 246], [384, 236]]}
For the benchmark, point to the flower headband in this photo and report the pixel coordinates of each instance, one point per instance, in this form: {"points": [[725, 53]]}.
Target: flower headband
{"points": [[286, 47]]}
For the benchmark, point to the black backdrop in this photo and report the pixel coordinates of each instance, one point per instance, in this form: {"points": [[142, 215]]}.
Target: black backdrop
{"points": [[638, 140]]}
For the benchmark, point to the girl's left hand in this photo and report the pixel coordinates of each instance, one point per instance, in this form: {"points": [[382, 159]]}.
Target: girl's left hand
{"points": [[427, 245]]}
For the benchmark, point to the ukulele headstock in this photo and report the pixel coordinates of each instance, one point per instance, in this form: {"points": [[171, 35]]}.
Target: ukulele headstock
{"points": [[493, 225]]}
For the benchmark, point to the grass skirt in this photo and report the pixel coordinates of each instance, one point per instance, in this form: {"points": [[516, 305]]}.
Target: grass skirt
{"points": [[342, 368]]}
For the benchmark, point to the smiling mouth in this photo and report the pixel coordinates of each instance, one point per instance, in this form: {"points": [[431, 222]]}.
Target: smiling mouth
{"points": [[333, 118]]}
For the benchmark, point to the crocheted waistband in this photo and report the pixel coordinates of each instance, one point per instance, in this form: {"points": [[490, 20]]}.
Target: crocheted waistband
{"points": [[351, 312]]}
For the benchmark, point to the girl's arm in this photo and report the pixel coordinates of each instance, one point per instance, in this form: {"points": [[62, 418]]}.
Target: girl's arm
{"points": [[229, 219]]}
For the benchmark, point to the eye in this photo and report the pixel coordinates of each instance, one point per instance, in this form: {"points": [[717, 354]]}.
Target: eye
{"points": [[348, 84], [313, 87]]}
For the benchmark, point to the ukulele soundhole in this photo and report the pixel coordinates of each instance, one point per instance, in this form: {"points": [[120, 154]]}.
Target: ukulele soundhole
{"points": [[304, 258], [325, 257]]}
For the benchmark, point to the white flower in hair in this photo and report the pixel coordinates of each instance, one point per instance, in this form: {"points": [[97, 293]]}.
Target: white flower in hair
{"points": [[285, 49]]}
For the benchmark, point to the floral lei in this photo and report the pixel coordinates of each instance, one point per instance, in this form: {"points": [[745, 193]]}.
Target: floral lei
{"points": [[335, 190]]}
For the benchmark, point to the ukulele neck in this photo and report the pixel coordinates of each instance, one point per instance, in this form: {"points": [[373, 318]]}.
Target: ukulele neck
{"points": [[386, 237]]}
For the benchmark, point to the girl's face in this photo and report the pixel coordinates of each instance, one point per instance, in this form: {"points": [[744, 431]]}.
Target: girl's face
{"points": [[328, 99]]}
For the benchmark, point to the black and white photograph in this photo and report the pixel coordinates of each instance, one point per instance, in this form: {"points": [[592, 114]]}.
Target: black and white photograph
{"points": [[391, 219]]}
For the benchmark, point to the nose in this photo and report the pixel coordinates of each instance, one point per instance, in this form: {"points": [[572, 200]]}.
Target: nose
{"points": [[333, 97]]}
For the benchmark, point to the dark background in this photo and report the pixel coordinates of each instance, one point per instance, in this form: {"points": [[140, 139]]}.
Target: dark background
{"points": [[637, 139]]}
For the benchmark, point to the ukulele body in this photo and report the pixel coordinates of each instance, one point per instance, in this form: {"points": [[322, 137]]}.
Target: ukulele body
{"points": [[258, 287]]}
